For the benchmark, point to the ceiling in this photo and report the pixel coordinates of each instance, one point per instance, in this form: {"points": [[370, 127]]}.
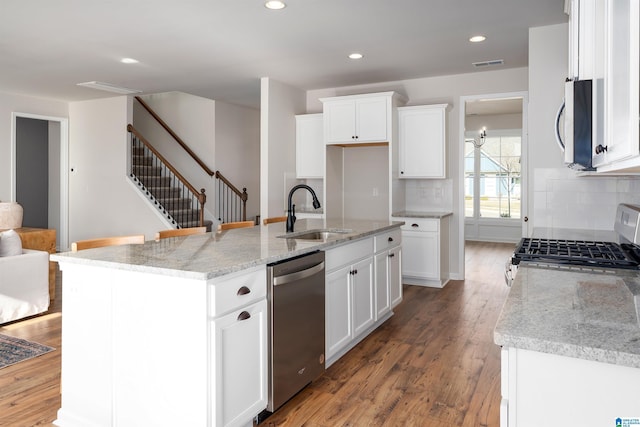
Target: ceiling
{"points": [[220, 49]]}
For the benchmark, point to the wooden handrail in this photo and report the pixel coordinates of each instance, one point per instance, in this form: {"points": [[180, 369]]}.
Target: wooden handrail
{"points": [[242, 194], [175, 136], [202, 198]]}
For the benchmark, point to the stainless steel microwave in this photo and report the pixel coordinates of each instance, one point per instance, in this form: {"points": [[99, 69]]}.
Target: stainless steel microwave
{"points": [[578, 118]]}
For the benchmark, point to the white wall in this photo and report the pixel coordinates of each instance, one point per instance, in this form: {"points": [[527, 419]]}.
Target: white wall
{"points": [[279, 104], [547, 72], [102, 200], [10, 103], [439, 194], [237, 154]]}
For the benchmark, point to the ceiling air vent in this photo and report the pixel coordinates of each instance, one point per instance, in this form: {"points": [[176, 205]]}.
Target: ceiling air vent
{"points": [[491, 63]]}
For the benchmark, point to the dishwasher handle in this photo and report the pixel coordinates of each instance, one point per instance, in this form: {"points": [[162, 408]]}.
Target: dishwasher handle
{"points": [[298, 275]]}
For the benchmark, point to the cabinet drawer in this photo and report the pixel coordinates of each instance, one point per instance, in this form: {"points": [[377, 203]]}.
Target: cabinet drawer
{"points": [[388, 239], [236, 290], [347, 254], [421, 224]]}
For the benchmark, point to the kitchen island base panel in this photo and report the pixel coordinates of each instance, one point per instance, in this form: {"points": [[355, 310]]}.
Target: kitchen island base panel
{"points": [[572, 391], [136, 350]]}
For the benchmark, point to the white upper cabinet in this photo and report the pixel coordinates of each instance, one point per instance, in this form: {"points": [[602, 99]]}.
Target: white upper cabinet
{"points": [[621, 94], [357, 119], [422, 141], [310, 146], [604, 47]]}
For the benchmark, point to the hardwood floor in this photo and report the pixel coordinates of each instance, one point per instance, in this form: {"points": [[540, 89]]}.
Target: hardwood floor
{"points": [[432, 364], [30, 390]]}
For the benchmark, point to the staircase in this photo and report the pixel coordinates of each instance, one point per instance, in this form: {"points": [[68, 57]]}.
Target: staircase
{"points": [[170, 193], [163, 192]]}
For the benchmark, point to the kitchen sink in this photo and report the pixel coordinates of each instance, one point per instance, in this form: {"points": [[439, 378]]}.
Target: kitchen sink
{"points": [[317, 235]]}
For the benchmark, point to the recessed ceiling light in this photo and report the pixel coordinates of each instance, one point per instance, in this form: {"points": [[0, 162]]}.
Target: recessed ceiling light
{"points": [[109, 87], [356, 55], [129, 61], [477, 39], [274, 4]]}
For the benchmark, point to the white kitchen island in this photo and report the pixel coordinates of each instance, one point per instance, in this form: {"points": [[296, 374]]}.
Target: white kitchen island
{"points": [[174, 332]]}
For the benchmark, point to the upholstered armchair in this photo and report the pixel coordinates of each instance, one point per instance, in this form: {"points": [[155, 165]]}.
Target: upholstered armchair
{"points": [[24, 285]]}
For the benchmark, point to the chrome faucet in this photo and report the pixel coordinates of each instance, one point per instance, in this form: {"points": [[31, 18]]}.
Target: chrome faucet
{"points": [[291, 209]]}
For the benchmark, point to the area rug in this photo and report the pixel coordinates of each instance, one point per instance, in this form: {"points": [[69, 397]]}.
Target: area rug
{"points": [[14, 350]]}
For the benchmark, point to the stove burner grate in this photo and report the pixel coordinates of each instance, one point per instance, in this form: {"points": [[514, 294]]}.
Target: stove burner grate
{"points": [[576, 252]]}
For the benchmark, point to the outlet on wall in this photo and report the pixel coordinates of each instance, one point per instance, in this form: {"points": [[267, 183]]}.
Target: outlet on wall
{"points": [[375, 191]]}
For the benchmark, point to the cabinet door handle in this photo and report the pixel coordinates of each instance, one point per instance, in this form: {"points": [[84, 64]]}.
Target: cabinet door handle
{"points": [[414, 225], [243, 290], [392, 255], [390, 239], [401, 172], [244, 315]]}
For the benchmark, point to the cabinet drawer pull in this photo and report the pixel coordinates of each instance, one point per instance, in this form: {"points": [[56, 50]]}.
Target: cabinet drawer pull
{"points": [[414, 225], [244, 315], [390, 239], [243, 290]]}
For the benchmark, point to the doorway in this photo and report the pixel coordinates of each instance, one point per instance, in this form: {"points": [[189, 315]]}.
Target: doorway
{"points": [[493, 168], [39, 172]]}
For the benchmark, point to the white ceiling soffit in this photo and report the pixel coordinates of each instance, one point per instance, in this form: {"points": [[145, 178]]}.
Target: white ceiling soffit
{"points": [[220, 49]]}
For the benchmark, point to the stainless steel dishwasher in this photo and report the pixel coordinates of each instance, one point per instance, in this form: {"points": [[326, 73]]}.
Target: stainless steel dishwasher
{"points": [[296, 325]]}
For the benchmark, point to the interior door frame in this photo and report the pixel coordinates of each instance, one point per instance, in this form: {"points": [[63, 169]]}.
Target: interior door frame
{"points": [[63, 233], [524, 158]]}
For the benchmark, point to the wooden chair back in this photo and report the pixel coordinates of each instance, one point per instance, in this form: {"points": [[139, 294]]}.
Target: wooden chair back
{"points": [[107, 241], [274, 219], [231, 225], [180, 232]]}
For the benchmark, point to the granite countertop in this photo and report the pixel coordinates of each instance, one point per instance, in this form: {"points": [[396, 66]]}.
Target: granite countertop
{"points": [[421, 214], [210, 255], [574, 313]]}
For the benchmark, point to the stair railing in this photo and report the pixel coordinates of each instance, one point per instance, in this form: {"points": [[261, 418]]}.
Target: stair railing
{"points": [[166, 127], [232, 203], [171, 193]]}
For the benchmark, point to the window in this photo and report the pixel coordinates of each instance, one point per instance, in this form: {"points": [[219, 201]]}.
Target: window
{"points": [[492, 176]]}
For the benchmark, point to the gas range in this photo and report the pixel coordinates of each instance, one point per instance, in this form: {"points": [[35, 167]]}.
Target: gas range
{"points": [[620, 252]]}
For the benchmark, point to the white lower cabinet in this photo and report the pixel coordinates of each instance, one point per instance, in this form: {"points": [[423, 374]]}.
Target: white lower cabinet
{"points": [[388, 276], [339, 330], [425, 258], [349, 294], [539, 389], [394, 261], [363, 295], [239, 354], [363, 284]]}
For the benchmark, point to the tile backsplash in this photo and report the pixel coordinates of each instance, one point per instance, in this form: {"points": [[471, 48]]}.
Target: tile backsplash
{"points": [[429, 194], [563, 199]]}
